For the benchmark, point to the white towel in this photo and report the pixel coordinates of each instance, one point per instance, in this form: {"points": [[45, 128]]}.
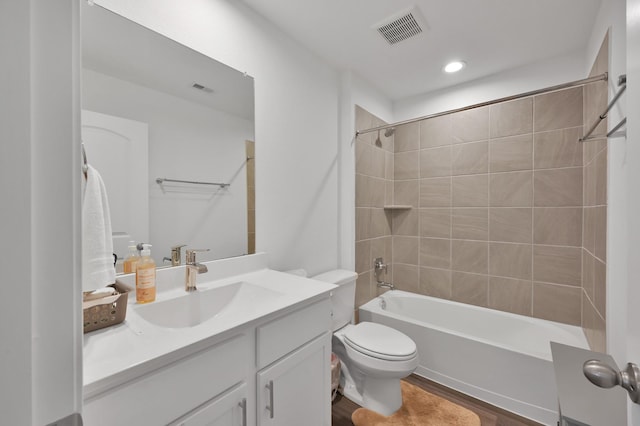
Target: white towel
{"points": [[97, 243]]}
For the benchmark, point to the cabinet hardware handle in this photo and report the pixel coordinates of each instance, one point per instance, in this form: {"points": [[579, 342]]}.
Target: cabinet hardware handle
{"points": [[243, 406], [270, 406]]}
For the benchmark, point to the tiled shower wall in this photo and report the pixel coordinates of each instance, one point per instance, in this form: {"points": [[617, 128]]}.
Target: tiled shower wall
{"points": [[496, 217]]}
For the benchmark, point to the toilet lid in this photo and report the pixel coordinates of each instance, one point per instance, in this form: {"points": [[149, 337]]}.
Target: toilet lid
{"points": [[380, 341]]}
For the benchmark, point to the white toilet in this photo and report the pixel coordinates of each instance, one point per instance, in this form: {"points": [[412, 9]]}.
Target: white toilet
{"points": [[374, 357]]}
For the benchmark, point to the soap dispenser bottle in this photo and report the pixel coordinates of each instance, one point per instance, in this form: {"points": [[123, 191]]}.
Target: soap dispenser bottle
{"points": [[130, 263], [146, 277]]}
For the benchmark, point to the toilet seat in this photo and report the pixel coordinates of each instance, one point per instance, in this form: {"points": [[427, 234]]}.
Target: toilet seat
{"points": [[381, 342]]}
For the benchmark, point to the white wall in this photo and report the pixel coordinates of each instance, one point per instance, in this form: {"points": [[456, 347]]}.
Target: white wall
{"points": [[511, 82], [187, 141], [353, 91], [40, 317], [296, 121]]}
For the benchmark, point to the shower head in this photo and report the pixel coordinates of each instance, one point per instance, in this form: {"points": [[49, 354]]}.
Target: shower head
{"points": [[390, 131]]}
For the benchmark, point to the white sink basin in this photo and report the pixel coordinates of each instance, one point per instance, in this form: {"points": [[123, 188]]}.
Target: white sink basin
{"points": [[194, 308]]}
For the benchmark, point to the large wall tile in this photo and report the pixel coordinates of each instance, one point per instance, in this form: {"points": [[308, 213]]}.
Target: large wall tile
{"points": [[600, 287], [435, 132], [364, 155], [558, 187], [513, 189], [405, 250], [594, 326], [380, 223], [469, 256], [435, 192], [406, 192], [558, 148], [600, 196], [435, 282], [363, 223], [558, 110], [513, 225], [407, 137], [379, 162], [600, 225], [510, 295], [381, 247], [435, 252], [378, 191], [557, 303], [588, 273], [470, 158], [435, 223], [406, 165], [471, 125], [472, 289], [557, 226], [511, 154], [363, 288], [470, 223], [512, 118], [363, 254], [406, 277], [405, 222], [470, 191], [560, 265], [435, 162], [510, 260]]}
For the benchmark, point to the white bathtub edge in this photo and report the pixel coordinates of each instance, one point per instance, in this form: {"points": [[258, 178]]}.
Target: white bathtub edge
{"points": [[532, 412]]}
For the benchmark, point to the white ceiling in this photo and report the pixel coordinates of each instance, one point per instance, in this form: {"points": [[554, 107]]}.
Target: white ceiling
{"points": [[490, 35]]}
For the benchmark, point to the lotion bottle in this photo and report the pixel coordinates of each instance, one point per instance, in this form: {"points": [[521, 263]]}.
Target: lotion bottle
{"points": [[130, 263], [146, 277]]}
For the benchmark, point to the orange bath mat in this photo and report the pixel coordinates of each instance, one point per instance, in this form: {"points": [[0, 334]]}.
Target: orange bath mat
{"points": [[419, 408]]}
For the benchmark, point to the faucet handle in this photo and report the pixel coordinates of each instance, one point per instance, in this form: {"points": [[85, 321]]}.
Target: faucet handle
{"points": [[176, 255], [191, 255]]}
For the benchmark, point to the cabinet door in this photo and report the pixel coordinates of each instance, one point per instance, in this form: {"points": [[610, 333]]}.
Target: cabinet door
{"points": [[228, 409], [296, 389]]}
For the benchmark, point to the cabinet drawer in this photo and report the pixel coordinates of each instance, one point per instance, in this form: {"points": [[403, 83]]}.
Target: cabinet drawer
{"points": [[282, 335], [166, 394]]}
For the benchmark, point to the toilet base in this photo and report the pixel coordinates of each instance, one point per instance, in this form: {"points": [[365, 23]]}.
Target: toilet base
{"points": [[380, 395]]}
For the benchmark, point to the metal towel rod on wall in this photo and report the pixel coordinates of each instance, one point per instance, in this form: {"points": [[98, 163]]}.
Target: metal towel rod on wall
{"points": [[160, 181], [622, 82]]}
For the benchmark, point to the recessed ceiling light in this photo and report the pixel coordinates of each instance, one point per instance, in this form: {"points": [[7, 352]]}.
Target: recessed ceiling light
{"points": [[454, 66]]}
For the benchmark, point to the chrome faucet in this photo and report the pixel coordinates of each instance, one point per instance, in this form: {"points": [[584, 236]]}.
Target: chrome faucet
{"points": [[193, 269], [379, 267], [176, 255]]}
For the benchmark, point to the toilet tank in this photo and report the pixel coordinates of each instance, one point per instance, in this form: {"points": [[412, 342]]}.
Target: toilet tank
{"points": [[343, 298]]}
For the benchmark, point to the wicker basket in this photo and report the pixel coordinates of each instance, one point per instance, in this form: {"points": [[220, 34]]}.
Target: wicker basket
{"points": [[105, 315]]}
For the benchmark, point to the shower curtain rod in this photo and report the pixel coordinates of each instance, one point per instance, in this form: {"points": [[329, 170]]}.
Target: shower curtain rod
{"points": [[601, 77]]}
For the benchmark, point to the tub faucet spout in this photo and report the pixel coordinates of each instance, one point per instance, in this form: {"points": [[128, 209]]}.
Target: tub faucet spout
{"points": [[390, 286]]}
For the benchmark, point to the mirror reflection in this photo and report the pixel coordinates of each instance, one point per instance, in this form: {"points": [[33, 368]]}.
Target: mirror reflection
{"points": [[171, 132]]}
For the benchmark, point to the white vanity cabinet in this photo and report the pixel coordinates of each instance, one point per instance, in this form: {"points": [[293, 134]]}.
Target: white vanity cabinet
{"points": [[170, 391], [294, 356], [295, 390], [225, 384], [228, 409]]}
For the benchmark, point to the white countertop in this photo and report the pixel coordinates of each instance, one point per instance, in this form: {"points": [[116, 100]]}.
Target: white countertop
{"points": [[122, 352]]}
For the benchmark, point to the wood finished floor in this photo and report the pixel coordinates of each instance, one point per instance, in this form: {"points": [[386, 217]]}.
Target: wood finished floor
{"points": [[489, 415]]}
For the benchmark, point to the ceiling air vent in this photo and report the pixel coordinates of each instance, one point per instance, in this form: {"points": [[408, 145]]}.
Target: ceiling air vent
{"points": [[202, 88], [402, 26]]}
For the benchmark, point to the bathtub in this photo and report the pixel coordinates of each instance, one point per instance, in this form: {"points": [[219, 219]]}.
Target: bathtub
{"points": [[498, 357]]}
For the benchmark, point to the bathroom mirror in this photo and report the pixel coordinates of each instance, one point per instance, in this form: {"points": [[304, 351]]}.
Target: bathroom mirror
{"points": [[171, 132]]}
